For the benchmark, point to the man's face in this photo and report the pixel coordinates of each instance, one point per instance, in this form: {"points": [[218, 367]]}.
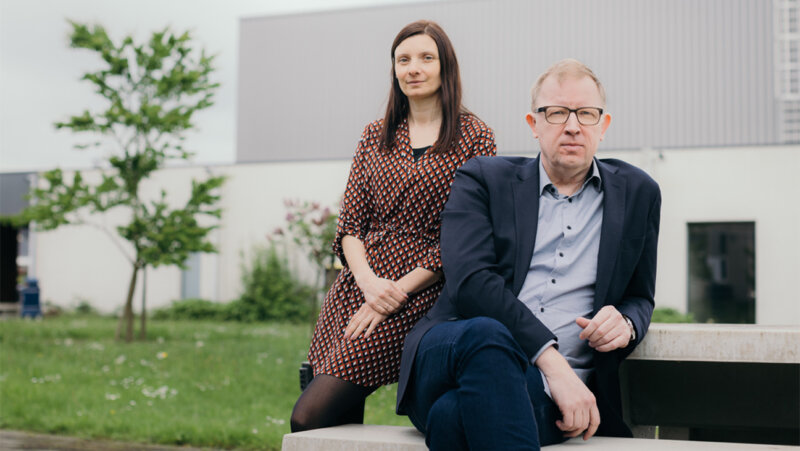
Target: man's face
{"points": [[567, 149]]}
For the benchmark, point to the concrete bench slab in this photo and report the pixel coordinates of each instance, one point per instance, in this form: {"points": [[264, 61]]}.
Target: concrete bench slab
{"points": [[358, 437], [720, 343]]}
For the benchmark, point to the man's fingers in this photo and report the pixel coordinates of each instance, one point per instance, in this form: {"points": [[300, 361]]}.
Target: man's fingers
{"points": [[603, 324], [602, 336], [583, 421], [588, 330], [582, 322], [599, 332], [562, 424], [618, 342], [594, 423], [612, 335]]}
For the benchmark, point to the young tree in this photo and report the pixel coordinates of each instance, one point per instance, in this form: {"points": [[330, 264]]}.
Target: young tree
{"points": [[152, 91]]}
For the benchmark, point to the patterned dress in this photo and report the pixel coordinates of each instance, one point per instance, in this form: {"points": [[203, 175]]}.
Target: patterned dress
{"points": [[392, 204]]}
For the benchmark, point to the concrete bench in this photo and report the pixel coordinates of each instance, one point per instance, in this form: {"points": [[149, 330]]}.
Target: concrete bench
{"points": [[700, 383], [715, 382], [357, 437]]}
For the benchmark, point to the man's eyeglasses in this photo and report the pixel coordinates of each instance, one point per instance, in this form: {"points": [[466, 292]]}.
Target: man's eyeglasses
{"points": [[560, 114]]}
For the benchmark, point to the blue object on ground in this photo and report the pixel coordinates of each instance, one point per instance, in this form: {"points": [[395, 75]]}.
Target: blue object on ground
{"points": [[30, 300]]}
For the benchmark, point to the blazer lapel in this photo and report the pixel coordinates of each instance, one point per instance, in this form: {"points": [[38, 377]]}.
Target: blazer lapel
{"points": [[526, 218], [611, 230]]}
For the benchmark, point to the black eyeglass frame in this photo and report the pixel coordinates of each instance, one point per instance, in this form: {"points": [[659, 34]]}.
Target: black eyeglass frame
{"points": [[543, 109]]}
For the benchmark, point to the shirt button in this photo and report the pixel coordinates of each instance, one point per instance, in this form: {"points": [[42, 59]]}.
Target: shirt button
{"points": [[560, 254], [553, 280], [569, 227], [569, 200], [542, 309]]}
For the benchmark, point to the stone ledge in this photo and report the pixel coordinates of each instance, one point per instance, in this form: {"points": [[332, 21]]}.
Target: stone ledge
{"points": [[357, 437], [720, 343]]}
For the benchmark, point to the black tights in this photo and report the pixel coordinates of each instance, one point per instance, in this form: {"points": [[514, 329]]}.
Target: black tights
{"points": [[329, 401]]}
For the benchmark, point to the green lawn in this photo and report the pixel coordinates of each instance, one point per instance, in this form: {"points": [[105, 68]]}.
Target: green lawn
{"points": [[215, 384]]}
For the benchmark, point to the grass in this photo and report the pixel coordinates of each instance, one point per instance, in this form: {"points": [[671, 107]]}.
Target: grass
{"points": [[670, 315], [214, 384]]}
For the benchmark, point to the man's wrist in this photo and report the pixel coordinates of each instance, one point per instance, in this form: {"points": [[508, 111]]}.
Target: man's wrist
{"points": [[551, 362], [631, 328]]}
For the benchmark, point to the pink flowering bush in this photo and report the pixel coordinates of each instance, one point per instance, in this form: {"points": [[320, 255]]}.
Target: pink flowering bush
{"points": [[313, 228]]}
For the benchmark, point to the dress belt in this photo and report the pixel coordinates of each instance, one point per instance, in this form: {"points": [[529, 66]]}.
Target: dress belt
{"points": [[384, 228]]}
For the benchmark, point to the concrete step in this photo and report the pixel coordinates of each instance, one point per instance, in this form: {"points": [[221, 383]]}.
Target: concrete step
{"points": [[357, 437]]}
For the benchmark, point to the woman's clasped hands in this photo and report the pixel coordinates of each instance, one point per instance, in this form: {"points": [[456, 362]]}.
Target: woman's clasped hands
{"points": [[382, 297]]}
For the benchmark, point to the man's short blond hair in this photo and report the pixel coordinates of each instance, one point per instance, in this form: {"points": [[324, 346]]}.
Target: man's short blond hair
{"points": [[566, 68]]}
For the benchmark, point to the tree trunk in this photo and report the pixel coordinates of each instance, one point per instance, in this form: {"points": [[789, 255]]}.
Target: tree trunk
{"points": [[127, 314], [143, 319]]}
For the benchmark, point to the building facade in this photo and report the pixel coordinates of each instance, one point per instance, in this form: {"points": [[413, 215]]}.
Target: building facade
{"points": [[704, 97]]}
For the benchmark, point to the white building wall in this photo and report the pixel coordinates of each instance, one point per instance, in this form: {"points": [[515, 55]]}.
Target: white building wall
{"points": [[253, 207], [729, 185], [698, 185]]}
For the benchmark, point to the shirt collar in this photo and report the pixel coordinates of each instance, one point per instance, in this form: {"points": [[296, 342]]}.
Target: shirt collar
{"points": [[593, 176]]}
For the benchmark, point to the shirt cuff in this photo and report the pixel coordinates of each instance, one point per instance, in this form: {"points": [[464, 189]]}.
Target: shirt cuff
{"points": [[542, 349]]}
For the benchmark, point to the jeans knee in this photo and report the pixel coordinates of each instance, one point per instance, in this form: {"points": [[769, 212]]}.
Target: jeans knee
{"points": [[486, 326], [483, 334], [488, 331]]}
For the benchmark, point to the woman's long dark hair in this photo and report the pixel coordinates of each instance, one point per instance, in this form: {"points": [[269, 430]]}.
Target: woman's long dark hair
{"points": [[449, 92]]}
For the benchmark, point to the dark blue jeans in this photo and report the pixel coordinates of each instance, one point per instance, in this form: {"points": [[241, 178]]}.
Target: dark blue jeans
{"points": [[472, 388]]}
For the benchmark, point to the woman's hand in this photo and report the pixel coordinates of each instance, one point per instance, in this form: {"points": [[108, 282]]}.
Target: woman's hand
{"points": [[365, 320], [384, 296]]}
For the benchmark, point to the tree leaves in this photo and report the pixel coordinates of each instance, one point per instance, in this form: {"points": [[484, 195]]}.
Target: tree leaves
{"points": [[152, 89]]}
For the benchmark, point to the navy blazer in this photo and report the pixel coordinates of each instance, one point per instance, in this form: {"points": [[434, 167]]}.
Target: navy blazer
{"points": [[487, 241]]}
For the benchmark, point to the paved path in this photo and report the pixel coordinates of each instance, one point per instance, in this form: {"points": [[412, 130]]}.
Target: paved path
{"points": [[17, 440]]}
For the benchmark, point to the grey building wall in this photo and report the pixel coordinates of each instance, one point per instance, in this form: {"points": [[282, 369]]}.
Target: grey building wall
{"points": [[13, 188], [679, 73]]}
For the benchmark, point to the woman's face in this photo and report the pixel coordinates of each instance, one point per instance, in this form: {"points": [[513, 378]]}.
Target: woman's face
{"points": [[417, 67]]}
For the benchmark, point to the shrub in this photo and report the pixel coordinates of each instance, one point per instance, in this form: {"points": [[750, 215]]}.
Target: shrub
{"points": [[85, 308], [670, 315], [271, 291], [192, 309]]}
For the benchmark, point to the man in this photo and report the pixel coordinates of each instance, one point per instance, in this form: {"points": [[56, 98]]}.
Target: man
{"points": [[550, 275]]}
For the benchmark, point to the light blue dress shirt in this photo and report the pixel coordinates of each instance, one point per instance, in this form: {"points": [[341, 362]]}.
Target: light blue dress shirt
{"points": [[560, 284]]}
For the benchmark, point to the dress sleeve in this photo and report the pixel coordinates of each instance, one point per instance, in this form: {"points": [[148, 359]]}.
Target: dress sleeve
{"points": [[355, 210], [484, 145]]}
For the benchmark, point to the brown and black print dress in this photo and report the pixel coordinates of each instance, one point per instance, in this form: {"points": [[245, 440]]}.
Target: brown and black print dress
{"points": [[393, 205]]}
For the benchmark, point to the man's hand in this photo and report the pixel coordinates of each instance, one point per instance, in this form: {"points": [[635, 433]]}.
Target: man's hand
{"points": [[607, 331], [364, 319], [382, 295], [575, 401]]}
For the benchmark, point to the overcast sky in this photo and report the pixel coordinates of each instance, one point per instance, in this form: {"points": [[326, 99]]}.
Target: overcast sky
{"points": [[39, 73]]}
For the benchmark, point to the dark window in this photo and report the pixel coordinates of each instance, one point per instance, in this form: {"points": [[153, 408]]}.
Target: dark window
{"points": [[722, 268]]}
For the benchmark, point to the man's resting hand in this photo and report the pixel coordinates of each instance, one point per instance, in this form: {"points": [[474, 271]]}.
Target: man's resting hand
{"points": [[607, 331], [575, 401]]}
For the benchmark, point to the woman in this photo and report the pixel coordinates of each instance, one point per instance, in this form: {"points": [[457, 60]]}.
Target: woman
{"points": [[388, 232]]}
